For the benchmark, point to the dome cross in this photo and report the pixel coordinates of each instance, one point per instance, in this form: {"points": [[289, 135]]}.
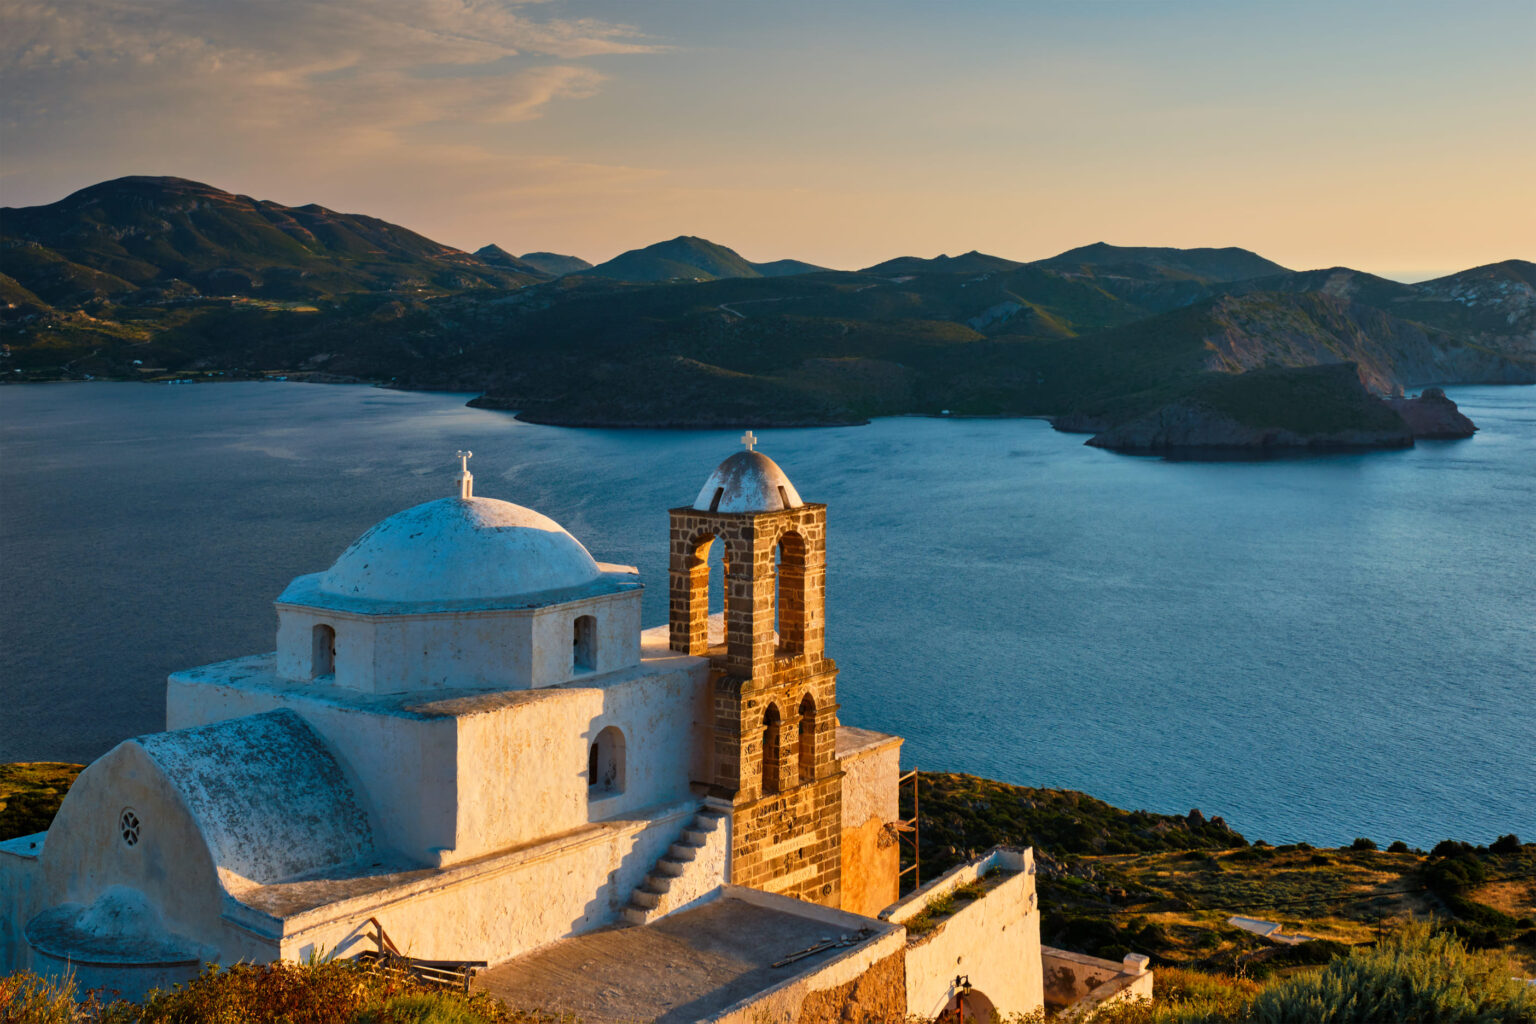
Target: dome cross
{"points": [[749, 440], [465, 478]]}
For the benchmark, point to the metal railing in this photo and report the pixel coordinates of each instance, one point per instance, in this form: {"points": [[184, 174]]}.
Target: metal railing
{"points": [[906, 827], [439, 973]]}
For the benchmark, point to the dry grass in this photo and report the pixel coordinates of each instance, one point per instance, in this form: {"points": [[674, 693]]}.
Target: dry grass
{"points": [[30, 793]]}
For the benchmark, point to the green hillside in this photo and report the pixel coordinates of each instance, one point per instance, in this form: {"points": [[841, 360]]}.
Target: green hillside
{"points": [[174, 238], [1229, 264], [555, 264], [684, 258]]}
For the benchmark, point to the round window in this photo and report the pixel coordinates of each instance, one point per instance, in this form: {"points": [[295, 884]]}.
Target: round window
{"points": [[128, 824]]}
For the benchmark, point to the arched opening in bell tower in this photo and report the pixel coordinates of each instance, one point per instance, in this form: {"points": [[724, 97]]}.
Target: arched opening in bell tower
{"points": [[807, 745], [789, 593], [710, 571], [771, 753]]}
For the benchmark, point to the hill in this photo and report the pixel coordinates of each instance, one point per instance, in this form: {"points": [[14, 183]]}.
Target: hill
{"points": [[1229, 264], [972, 262], [496, 256], [1113, 881], [554, 264], [786, 268], [146, 237], [684, 258], [689, 258]]}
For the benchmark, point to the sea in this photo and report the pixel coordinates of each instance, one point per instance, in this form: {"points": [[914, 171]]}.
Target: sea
{"points": [[1315, 648]]}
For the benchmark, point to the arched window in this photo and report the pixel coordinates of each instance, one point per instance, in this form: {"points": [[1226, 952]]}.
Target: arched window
{"points": [[789, 584], [605, 763], [584, 644], [710, 584], [771, 749], [322, 658], [807, 739]]}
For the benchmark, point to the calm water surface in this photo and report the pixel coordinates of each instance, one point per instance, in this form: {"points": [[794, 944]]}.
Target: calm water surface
{"points": [[1315, 648]]}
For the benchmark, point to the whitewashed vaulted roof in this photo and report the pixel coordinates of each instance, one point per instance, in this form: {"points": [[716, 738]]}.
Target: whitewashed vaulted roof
{"points": [[747, 482], [460, 549]]}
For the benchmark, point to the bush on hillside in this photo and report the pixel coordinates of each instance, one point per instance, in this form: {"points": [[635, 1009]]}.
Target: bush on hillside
{"points": [[1505, 844], [1415, 974]]}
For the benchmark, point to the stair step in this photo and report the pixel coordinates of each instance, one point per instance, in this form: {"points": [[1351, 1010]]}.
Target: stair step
{"points": [[694, 837], [683, 851], [645, 900], [634, 915], [670, 866], [658, 884]]}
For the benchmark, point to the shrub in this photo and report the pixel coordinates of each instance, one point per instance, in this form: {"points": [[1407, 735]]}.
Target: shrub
{"points": [[330, 992], [1398, 846], [1506, 844], [1415, 974], [1362, 843], [1453, 874], [29, 998], [1450, 848]]}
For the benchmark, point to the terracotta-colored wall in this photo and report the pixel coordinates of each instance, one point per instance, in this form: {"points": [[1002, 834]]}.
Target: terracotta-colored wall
{"points": [[871, 860], [875, 997]]}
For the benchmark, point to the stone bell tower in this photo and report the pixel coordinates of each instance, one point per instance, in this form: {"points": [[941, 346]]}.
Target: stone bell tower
{"points": [[773, 690]]}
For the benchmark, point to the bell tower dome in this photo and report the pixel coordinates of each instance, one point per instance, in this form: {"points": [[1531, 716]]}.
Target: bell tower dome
{"points": [[773, 690]]}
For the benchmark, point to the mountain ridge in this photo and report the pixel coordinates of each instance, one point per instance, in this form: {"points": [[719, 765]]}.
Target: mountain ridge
{"points": [[164, 272]]}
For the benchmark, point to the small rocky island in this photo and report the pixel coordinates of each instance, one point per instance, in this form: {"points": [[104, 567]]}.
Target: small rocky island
{"points": [[1315, 408]]}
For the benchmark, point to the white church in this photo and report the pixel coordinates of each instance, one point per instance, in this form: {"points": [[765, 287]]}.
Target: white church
{"points": [[466, 746]]}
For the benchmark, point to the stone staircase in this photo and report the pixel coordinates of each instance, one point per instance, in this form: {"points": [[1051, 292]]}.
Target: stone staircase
{"points": [[693, 867]]}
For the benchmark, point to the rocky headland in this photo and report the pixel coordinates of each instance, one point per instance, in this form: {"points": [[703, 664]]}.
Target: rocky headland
{"points": [[1432, 416], [1314, 408]]}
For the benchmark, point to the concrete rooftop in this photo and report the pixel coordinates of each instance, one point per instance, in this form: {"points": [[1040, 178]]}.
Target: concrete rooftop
{"points": [[685, 967]]}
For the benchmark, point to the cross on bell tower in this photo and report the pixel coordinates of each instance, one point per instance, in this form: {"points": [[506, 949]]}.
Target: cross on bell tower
{"points": [[773, 690]]}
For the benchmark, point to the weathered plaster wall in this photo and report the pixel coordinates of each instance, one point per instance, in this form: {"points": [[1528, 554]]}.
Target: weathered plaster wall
{"points": [[617, 639], [266, 793], [1084, 982], [501, 906], [871, 859], [522, 769], [503, 648], [170, 864], [994, 941], [401, 766], [459, 775], [21, 897], [706, 867], [871, 855]]}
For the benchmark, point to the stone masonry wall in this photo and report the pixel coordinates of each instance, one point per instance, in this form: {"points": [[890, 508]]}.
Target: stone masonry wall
{"points": [[773, 692]]}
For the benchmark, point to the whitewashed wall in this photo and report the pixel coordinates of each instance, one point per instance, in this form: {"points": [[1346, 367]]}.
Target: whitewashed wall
{"points": [[994, 941]]}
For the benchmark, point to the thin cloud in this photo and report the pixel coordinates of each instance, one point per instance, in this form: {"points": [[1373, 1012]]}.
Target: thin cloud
{"points": [[388, 64]]}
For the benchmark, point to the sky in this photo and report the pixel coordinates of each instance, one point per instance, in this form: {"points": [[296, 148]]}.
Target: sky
{"points": [[1394, 137]]}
